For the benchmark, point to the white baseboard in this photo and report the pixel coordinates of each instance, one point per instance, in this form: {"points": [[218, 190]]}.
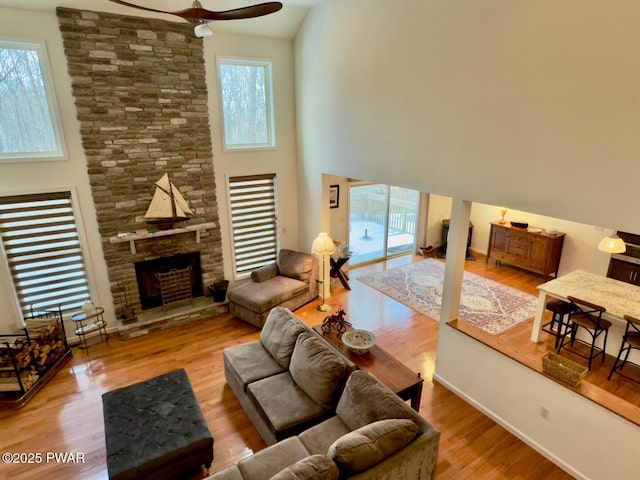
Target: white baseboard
{"points": [[513, 430]]}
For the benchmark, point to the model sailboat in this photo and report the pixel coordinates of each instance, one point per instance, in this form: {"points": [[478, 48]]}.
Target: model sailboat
{"points": [[167, 206]]}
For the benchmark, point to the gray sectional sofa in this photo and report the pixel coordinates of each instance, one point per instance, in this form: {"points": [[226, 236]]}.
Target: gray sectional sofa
{"points": [[321, 418], [291, 281]]}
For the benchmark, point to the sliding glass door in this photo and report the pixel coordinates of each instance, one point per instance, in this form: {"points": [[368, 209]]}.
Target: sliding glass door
{"points": [[382, 221]]}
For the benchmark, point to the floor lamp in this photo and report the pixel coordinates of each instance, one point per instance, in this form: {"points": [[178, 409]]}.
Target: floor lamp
{"points": [[323, 246]]}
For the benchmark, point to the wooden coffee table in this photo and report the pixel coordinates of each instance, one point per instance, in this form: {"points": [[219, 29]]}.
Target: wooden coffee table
{"points": [[398, 377]]}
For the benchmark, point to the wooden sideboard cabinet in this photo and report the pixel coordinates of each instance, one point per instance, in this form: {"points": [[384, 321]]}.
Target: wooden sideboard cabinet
{"points": [[624, 271], [536, 252]]}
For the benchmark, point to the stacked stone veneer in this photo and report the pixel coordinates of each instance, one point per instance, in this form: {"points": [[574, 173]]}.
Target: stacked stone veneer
{"points": [[141, 99]]}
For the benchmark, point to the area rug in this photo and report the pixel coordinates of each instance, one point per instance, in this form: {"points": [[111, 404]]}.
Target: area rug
{"points": [[486, 304]]}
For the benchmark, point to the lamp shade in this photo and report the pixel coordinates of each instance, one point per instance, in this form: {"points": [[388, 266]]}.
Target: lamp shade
{"points": [[323, 245], [202, 30], [612, 244]]}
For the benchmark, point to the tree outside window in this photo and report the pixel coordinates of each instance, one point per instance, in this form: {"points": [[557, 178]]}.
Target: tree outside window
{"points": [[247, 105], [28, 122]]}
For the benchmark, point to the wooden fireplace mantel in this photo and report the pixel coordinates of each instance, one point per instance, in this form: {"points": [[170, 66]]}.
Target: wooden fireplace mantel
{"points": [[132, 237]]}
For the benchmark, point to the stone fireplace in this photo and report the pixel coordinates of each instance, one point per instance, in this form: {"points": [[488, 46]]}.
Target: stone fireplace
{"points": [[141, 99]]}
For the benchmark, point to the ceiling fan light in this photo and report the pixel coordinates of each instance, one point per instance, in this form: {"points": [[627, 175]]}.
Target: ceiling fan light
{"points": [[202, 30]]}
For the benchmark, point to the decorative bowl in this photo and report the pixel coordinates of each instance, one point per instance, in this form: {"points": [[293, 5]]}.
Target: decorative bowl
{"points": [[358, 341]]}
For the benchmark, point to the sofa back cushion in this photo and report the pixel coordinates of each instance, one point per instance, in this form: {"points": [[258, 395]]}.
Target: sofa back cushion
{"points": [[318, 369], [279, 334], [369, 445], [296, 265], [365, 400], [313, 467]]}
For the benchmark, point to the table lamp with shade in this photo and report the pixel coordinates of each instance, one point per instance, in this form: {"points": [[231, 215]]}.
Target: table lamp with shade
{"points": [[323, 246]]}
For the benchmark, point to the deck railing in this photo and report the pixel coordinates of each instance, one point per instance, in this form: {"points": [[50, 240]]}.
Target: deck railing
{"points": [[372, 207]]}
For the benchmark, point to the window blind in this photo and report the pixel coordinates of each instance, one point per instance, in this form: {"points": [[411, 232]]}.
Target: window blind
{"points": [[43, 249], [254, 221]]}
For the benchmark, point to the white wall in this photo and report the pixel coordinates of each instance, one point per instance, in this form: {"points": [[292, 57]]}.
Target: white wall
{"points": [[439, 210], [585, 439], [280, 160], [529, 105], [339, 216]]}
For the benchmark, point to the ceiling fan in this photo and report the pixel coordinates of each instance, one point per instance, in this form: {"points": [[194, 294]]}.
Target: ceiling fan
{"points": [[199, 16]]}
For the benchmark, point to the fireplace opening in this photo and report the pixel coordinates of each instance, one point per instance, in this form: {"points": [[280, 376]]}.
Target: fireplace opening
{"points": [[149, 286]]}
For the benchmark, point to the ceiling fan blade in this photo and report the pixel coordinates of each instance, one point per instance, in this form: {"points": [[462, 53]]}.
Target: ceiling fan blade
{"points": [[251, 11], [197, 14]]}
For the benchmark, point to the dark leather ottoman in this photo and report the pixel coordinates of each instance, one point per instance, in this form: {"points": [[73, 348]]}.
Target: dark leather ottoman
{"points": [[155, 429]]}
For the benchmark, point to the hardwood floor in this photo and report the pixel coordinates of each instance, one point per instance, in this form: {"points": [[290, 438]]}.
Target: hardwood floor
{"points": [[66, 416]]}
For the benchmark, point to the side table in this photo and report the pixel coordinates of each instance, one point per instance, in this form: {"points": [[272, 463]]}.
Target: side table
{"points": [[95, 323], [338, 260]]}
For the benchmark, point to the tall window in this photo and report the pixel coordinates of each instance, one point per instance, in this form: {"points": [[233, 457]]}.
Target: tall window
{"points": [[28, 118], [247, 103], [254, 221], [43, 250]]}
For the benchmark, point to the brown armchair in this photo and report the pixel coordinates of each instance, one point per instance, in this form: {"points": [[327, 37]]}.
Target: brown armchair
{"points": [[291, 282]]}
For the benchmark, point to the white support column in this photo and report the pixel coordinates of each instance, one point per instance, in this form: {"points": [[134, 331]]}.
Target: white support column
{"points": [[456, 255]]}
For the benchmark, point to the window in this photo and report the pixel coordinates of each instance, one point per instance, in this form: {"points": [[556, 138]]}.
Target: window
{"points": [[383, 221], [28, 118], [254, 221], [247, 105], [43, 250]]}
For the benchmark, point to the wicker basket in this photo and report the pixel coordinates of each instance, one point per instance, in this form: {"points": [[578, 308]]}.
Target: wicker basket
{"points": [[563, 369]]}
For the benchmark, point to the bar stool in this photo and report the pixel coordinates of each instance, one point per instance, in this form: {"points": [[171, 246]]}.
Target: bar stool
{"points": [[557, 325], [588, 317], [630, 341]]}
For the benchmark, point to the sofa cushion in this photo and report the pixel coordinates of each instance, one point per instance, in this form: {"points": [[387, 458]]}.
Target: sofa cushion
{"points": [[266, 463], [279, 334], [314, 467], [229, 473], [365, 400], [265, 273], [318, 369], [284, 405], [318, 439], [249, 362], [261, 297], [369, 445], [296, 265]]}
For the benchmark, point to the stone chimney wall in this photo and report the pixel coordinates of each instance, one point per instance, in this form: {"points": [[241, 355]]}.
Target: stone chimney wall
{"points": [[141, 98]]}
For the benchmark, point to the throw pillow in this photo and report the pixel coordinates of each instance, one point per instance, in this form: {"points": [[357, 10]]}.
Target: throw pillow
{"points": [[318, 369], [314, 467], [279, 334], [363, 448], [263, 274]]}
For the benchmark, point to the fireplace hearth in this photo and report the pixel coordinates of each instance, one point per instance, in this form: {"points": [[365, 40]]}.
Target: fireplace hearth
{"points": [[149, 285]]}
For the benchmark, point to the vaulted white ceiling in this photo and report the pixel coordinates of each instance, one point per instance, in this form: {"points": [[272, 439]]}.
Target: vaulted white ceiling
{"points": [[282, 24]]}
